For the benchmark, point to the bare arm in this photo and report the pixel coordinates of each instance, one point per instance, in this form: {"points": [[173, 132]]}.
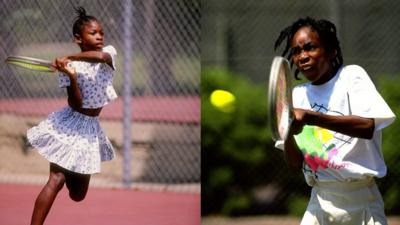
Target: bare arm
{"points": [[74, 96], [292, 154], [74, 93], [353, 126], [90, 56]]}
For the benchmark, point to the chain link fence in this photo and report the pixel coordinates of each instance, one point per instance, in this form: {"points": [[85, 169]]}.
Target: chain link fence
{"points": [[163, 103], [239, 36]]}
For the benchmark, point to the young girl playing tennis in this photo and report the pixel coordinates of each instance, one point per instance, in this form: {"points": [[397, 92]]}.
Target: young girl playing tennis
{"points": [[72, 139], [335, 137]]}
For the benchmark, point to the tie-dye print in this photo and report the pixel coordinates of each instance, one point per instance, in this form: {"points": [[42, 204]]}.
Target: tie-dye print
{"points": [[318, 145]]}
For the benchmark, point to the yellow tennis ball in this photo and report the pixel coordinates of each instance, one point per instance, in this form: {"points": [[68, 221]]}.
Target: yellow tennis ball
{"points": [[223, 100]]}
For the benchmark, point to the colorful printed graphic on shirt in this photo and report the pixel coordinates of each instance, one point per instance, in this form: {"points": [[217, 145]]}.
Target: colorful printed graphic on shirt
{"points": [[320, 145]]}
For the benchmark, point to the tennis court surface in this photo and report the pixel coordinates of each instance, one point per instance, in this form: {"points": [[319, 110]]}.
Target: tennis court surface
{"points": [[102, 207]]}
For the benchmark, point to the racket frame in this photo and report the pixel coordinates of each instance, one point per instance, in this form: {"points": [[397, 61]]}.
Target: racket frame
{"points": [[279, 63], [20, 60]]}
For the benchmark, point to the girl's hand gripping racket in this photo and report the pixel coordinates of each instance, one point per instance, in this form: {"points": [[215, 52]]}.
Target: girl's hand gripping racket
{"points": [[280, 99], [31, 63]]}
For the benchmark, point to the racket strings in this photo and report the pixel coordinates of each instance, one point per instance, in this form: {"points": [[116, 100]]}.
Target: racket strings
{"points": [[43, 66]]}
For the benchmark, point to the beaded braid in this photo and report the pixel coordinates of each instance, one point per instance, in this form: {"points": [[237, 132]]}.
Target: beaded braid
{"points": [[80, 20], [327, 33]]}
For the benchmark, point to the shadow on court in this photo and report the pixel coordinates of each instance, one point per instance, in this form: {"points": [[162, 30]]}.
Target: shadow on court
{"points": [[102, 207]]}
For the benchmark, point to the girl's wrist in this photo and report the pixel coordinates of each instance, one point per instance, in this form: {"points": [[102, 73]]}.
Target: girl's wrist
{"points": [[306, 117], [70, 57], [311, 117], [72, 75]]}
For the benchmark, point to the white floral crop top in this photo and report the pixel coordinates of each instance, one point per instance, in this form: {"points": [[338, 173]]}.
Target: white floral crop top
{"points": [[94, 81]]}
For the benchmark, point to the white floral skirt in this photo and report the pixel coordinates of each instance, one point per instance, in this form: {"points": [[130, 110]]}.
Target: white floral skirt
{"points": [[72, 140]]}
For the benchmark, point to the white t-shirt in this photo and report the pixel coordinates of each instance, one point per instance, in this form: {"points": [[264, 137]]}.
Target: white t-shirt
{"points": [[94, 80], [332, 156]]}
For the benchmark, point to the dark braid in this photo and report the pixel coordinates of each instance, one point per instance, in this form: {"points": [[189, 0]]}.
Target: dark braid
{"points": [[327, 34], [80, 20]]}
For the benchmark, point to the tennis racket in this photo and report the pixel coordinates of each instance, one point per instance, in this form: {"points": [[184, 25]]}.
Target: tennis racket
{"points": [[280, 98], [31, 63]]}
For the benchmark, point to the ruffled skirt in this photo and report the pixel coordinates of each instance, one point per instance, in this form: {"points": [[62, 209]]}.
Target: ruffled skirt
{"points": [[72, 140]]}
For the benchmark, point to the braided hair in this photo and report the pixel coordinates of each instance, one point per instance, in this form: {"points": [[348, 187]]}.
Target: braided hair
{"points": [[80, 20], [327, 34]]}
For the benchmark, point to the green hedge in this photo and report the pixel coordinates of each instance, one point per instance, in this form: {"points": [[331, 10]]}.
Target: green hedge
{"points": [[388, 86], [239, 162]]}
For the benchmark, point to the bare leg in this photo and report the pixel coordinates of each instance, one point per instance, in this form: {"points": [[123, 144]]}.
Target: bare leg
{"points": [[77, 185], [46, 197]]}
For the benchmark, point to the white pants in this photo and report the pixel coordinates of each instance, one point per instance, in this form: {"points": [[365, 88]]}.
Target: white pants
{"points": [[345, 203]]}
